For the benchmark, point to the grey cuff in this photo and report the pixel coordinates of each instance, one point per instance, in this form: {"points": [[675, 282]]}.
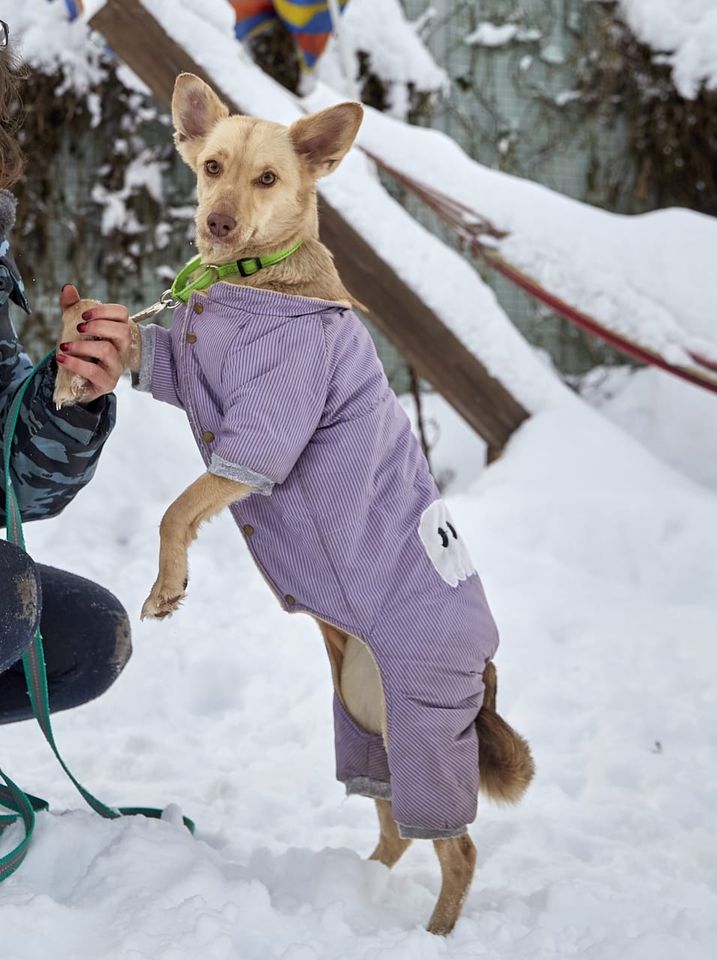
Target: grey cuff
{"points": [[143, 380], [232, 471], [423, 833], [366, 787]]}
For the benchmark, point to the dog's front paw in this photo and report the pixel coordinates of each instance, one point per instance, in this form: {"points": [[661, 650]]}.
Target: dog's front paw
{"points": [[71, 388], [162, 601]]}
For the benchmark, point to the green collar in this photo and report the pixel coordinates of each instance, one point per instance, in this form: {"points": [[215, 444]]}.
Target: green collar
{"points": [[183, 288]]}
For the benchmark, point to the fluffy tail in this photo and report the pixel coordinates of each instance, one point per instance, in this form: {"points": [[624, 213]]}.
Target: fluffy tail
{"points": [[506, 764]]}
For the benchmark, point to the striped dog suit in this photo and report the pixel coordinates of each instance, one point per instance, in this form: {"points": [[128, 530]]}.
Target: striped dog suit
{"points": [[287, 394]]}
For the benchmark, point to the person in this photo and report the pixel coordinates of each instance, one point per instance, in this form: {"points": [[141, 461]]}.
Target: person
{"points": [[54, 454]]}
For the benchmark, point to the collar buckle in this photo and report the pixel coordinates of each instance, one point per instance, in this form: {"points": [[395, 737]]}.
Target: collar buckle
{"points": [[249, 266]]}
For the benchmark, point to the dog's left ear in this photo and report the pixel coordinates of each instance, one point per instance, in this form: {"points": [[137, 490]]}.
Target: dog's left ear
{"points": [[195, 110], [323, 139]]}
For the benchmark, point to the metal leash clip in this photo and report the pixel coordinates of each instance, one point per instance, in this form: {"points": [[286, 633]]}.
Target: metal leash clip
{"points": [[165, 302]]}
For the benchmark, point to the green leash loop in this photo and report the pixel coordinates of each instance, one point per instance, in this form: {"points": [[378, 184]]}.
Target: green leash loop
{"points": [[183, 288], [11, 796]]}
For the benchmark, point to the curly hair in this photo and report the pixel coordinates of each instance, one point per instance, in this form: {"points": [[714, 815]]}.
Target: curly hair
{"points": [[11, 159]]}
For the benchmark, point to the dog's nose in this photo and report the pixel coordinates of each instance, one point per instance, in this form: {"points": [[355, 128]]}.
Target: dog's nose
{"points": [[220, 224]]}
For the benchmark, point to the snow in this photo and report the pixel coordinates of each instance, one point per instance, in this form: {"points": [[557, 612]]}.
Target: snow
{"points": [[144, 171], [686, 30], [397, 54], [672, 418], [49, 42], [598, 558], [489, 34], [492, 35]]}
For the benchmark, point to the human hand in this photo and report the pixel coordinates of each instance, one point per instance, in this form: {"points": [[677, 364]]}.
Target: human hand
{"points": [[98, 344]]}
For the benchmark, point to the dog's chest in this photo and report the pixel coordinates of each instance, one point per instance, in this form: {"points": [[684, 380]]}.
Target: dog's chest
{"points": [[204, 339]]}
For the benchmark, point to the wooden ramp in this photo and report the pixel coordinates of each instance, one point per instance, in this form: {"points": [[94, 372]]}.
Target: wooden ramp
{"points": [[415, 330]]}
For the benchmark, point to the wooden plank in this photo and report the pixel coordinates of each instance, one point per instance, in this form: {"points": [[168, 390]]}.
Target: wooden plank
{"points": [[421, 336], [417, 332]]}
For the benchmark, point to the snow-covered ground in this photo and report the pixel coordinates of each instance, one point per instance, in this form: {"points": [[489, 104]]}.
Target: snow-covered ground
{"points": [[599, 561]]}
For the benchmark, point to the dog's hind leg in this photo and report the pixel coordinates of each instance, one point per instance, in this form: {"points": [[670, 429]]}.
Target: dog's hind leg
{"points": [[457, 856], [358, 683], [391, 846]]}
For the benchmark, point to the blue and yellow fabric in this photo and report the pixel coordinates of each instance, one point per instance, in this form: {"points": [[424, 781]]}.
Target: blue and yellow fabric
{"points": [[74, 8], [309, 22]]}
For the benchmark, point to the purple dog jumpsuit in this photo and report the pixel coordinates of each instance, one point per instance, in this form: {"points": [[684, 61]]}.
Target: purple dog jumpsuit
{"points": [[287, 394]]}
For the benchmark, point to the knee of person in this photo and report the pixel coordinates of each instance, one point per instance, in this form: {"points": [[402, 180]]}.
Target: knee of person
{"points": [[21, 597], [111, 655], [113, 639], [123, 641]]}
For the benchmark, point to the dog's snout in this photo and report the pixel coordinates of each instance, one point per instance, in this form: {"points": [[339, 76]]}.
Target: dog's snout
{"points": [[220, 225]]}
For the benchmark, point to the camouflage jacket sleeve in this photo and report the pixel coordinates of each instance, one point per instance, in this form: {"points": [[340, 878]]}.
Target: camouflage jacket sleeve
{"points": [[54, 452]]}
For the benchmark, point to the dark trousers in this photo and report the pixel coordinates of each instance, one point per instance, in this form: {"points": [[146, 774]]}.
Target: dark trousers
{"points": [[85, 630]]}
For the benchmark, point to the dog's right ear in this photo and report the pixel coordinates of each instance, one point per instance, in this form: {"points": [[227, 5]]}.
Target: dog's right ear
{"points": [[195, 110], [323, 139]]}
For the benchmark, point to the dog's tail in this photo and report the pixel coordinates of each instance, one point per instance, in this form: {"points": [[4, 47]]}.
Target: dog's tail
{"points": [[506, 764]]}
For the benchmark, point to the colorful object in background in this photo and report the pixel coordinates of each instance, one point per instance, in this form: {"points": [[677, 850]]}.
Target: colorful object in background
{"points": [[74, 8], [308, 22]]}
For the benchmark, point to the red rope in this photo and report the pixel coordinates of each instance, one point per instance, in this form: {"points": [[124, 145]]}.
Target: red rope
{"points": [[473, 231], [693, 375]]}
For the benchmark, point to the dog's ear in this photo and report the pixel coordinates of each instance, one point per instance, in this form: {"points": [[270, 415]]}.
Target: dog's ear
{"points": [[323, 139], [195, 110]]}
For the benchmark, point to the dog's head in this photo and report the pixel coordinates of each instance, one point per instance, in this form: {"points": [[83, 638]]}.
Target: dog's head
{"points": [[255, 179]]}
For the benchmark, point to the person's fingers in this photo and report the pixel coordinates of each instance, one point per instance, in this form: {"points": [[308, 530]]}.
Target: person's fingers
{"points": [[119, 333], [99, 379], [68, 296], [101, 350], [107, 311]]}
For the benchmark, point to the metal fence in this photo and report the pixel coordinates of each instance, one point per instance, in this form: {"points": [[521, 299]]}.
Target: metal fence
{"points": [[515, 105]]}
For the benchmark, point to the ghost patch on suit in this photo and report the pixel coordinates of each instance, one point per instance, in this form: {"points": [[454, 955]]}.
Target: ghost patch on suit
{"points": [[444, 546]]}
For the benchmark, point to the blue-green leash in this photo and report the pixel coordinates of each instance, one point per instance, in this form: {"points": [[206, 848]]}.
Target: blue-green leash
{"points": [[11, 796]]}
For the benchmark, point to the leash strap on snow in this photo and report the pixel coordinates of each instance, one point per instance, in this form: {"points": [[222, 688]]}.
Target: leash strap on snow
{"points": [[11, 796]]}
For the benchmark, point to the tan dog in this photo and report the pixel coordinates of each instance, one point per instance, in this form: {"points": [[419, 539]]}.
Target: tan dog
{"points": [[257, 193]]}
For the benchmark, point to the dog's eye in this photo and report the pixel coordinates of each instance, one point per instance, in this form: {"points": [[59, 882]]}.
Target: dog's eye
{"points": [[267, 178], [212, 167]]}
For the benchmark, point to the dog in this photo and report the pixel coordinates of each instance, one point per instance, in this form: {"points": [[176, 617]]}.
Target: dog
{"points": [[307, 445]]}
